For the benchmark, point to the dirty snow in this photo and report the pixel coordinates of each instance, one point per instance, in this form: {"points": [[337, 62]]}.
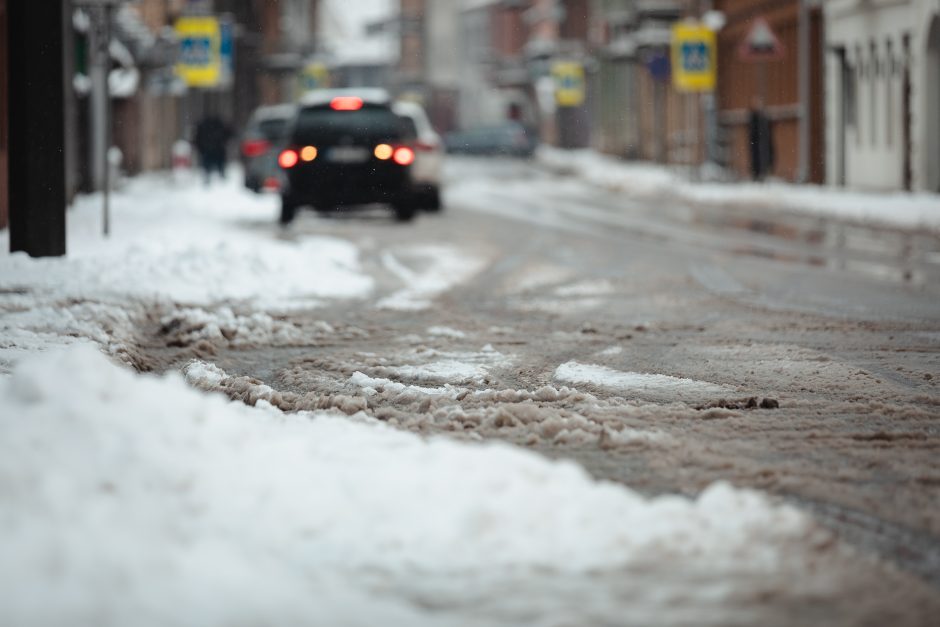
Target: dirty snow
{"points": [[117, 482], [170, 242]]}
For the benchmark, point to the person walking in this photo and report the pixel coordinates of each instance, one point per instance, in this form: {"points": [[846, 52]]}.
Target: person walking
{"points": [[761, 140], [212, 137]]}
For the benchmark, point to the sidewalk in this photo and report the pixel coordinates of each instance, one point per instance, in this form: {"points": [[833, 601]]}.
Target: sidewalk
{"points": [[645, 179]]}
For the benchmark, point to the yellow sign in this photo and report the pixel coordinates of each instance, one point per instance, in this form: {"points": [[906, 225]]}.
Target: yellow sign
{"points": [[200, 52], [314, 76], [569, 83], [694, 57]]}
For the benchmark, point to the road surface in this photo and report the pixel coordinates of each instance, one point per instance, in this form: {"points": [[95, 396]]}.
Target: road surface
{"points": [[660, 345]]}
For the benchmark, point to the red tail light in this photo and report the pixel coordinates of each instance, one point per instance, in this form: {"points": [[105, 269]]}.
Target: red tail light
{"points": [[288, 159], [404, 156], [426, 146], [255, 147], [346, 103]]}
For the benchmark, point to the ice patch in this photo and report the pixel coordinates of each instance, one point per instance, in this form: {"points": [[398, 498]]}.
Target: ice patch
{"points": [[633, 382], [600, 287], [446, 332], [373, 385], [442, 268]]}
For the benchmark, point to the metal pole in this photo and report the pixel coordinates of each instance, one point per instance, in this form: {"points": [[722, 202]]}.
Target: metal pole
{"points": [[106, 208]]}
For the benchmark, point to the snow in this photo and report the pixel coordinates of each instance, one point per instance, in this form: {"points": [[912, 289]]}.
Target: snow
{"points": [[633, 382], [440, 269], [344, 33], [908, 210], [440, 331], [129, 499], [171, 242]]}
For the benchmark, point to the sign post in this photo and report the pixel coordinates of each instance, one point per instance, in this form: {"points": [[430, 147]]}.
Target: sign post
{"points": [[569, 83], [760, 46], [694, 58], [200, 53], [694, 71], [101, 99]]}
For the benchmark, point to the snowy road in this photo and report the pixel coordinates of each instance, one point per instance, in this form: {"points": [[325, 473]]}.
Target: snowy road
{"points": [[662, 346]]}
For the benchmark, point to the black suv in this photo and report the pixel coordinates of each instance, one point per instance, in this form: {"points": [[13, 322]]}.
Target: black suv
{"points": [[347, 148]]}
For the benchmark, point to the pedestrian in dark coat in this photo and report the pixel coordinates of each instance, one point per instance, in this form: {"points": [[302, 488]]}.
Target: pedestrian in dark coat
{"points": [[212, 137], [761, 140]]}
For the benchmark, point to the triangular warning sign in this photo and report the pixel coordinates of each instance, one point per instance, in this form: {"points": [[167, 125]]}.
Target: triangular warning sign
{"points": [[761, 43]]}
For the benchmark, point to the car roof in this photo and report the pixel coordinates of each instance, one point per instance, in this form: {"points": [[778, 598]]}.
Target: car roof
{"points": [[371, 95]]}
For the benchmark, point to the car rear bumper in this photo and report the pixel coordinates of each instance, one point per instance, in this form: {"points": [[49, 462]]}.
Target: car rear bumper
{"points": [[326, 184]]}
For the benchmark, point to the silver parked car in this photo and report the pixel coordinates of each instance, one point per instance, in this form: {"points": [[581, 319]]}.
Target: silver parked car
{"points": [[429, 155], [261, 142]]}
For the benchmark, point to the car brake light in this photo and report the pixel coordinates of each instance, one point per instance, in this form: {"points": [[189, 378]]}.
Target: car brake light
{"points": [[425, 146], [255, 147], [346, 103], [404, 156], [308, 153], [384, 152], [288, 159]]}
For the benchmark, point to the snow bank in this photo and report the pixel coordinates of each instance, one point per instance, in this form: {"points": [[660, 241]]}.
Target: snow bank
{"points": [[171, 242], [188, 243], [138, 500], [644, 179]]}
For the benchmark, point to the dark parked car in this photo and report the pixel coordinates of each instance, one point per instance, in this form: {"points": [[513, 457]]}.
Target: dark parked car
{"points": [[261, 142], [347, 147], [510, 138]]}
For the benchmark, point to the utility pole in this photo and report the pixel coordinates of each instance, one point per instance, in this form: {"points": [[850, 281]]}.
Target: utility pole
{"points": [[37, 128]]}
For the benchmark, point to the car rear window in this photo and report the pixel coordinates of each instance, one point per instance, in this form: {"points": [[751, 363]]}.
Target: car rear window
{"points": [[273, 129], [326, 125]]}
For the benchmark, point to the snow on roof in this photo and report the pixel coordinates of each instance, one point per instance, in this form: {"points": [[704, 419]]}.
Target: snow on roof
{"points": [[343, 31]]}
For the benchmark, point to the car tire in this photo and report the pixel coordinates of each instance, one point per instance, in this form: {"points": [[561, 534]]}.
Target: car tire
{"points": [[404, 210], [288, 210], [432, 201]]}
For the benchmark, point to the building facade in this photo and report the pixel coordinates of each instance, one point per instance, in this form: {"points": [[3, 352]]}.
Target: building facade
{"points": [[791, 88], [883, 93]]}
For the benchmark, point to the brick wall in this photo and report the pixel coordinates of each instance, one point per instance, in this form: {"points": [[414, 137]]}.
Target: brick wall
{"points": [[740, 81]]}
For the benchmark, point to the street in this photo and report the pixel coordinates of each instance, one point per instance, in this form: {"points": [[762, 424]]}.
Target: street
{"points": [[532, 279], [668, 349]]}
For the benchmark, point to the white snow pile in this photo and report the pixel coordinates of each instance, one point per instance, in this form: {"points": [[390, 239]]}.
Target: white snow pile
{"points": [[634, 382], [170, 242], [644, 179], [135, 500], [448, 367]]}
